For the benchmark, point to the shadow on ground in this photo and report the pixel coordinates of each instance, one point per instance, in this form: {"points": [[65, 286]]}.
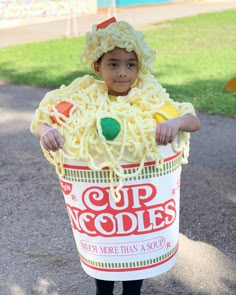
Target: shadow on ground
{"points": [[38, 254]]}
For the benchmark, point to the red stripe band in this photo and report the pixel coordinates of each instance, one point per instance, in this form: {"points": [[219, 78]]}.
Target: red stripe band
{"points": [[130, 268], [125, 166]]}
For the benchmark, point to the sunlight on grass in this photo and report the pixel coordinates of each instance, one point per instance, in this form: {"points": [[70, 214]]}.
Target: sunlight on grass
{"points": [[196, 56]]}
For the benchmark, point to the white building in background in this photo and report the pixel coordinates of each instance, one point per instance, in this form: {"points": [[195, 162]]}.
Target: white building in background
{"points": [[16, 12], [23, 9]]}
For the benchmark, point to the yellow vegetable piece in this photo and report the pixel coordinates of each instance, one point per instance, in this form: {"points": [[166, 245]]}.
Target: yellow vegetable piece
{"points": [[167, 111]]}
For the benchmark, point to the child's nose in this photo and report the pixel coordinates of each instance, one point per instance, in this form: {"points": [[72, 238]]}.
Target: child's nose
{"points": [[122, 72]]}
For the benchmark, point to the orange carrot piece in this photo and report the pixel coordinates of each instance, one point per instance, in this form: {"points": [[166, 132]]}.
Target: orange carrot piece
{"points": [[106, 23], [62, 108]]}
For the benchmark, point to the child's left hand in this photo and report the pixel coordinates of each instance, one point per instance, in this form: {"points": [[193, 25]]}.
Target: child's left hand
{"points": [[166, 131]]}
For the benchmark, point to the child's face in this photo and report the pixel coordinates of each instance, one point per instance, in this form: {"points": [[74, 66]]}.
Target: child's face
{"points": [[118, 69]]}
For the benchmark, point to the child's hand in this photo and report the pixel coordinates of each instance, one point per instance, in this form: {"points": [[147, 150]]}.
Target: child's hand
{"points": [[51, 139], [166, 131]]}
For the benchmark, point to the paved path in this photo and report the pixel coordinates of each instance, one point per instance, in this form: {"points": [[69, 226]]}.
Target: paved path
{"points": [[137, 16], [37, 250]]}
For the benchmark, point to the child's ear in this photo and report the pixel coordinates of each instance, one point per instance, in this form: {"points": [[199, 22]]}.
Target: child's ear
{"points": [[96, 67]]}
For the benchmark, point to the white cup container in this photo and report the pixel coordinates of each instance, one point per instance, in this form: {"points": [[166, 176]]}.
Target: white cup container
{"points": [[136, 238]]}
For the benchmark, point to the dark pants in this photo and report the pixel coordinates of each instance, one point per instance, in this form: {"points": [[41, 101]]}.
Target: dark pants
{"points": [[129, 287]]}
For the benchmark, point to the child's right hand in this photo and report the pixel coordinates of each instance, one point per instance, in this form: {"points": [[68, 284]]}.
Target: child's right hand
{"points": [[166, 131], [50, 138]]}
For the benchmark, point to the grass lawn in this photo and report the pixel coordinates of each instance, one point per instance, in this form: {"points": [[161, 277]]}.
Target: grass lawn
{"points": [[196, 57]]}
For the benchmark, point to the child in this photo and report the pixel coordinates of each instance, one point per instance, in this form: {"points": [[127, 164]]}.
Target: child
{"points": [[121, 57]]}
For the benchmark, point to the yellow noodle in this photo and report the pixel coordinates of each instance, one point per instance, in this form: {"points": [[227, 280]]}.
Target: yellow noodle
{"points": [[82, 130]]}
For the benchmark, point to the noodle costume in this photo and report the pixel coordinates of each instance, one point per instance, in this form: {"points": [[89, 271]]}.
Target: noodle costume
{"points": [[121, 189]]}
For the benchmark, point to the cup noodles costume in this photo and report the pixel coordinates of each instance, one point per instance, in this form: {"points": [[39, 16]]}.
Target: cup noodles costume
{"points": [[121, 189]]}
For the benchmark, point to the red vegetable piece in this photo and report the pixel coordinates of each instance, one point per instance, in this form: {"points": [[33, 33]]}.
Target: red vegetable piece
{"points": [[62, 108], [106, 23]]}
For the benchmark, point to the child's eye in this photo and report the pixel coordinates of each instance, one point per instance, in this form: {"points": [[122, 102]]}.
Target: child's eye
{"points": [[112, 65], [131, 65]]}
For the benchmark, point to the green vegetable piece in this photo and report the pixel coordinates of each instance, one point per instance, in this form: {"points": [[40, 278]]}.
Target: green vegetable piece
{"points": [[110, 128]]}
